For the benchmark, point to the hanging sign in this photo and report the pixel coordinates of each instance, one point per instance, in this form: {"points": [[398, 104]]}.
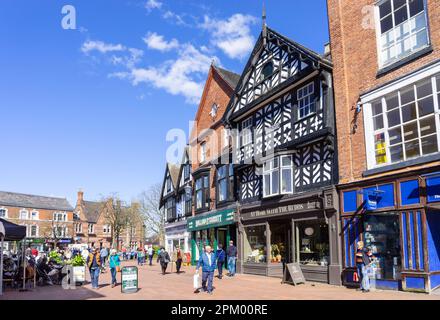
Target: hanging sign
{"points": [[129, 279]]}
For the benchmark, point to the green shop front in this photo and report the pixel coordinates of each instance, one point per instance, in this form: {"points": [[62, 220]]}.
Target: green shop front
{"points": [[211, 228]]}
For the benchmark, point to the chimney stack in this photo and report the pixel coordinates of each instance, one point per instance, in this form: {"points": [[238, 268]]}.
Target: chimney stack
{"points": [[80, 196], [327, 50]]}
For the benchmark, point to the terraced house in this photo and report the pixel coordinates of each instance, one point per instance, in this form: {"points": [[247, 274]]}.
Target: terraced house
{"points": [[48, 220], [386, 57], [282, 114]]}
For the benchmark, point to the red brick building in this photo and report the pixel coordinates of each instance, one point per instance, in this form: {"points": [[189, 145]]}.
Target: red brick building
{"points": [[386, 57]]}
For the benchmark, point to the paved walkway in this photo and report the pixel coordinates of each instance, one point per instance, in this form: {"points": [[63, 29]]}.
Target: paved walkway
{"points": [[172, 286]]}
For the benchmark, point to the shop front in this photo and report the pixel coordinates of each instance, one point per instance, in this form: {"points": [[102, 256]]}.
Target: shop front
{"points": [[212, 228], [303, 229], [176, 234], [399, 221]]}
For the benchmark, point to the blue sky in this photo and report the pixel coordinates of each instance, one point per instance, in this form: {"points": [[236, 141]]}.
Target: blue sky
{"points": [[90, 108]]}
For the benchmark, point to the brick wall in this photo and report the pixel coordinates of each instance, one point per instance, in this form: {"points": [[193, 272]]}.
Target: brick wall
{"points": [[354, 54]]}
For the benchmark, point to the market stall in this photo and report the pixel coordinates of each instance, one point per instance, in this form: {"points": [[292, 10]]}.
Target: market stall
{"points": [[8, 232]]}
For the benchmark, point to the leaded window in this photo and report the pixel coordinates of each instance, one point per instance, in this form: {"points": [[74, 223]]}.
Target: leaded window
{"points": [[306, 100]]}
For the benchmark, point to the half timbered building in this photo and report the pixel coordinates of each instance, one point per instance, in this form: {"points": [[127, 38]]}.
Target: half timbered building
{"points": [[283, 127]]}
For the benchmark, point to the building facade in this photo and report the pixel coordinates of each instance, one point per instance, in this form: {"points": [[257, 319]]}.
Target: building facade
{"points": [[282, 114], [214, 199], [386, 57], [48, 220]]}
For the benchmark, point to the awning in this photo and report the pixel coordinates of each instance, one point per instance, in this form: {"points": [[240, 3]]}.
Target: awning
{"points": [[12, 231]]}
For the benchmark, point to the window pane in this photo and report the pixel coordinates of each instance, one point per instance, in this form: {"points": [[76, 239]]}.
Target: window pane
{"points": [[407, 95], [427, 126], [386, 24], [424, 88], [410, 131], [275, 182], [438, 83], [377, 107], [421, 39], [396, 153], [395, 135], [385, 9], [400, 15], [378, 122], [415, 6], [418, 23], [398, 3], [287, 161], [223, 190], [392, 101], [275, 162], [412, 149], [379, 142], [429, 144], [426, 106], [393, 118], [267, 184], [409, 112], [286, 182]]}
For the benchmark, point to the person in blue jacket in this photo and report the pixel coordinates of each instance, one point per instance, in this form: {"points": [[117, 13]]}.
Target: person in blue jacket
{"points": [[207, 261], [221, 257]]}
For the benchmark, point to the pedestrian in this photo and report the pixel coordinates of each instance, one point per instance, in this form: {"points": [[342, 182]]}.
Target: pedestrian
{"points": [[150, 254], [140, 256], [363, 260], [221, 257], [207, 261], [115, 265], [164, 259], [124, 253], [232, 258], [103, 253], [94, 264], [178, 257]]}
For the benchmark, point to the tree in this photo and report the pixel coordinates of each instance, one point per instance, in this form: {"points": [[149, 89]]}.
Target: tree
{"points": [[116, 217], [154, 217]]}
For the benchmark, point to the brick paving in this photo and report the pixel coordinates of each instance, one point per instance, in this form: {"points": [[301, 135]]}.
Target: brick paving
{"points": [[172, 286]]}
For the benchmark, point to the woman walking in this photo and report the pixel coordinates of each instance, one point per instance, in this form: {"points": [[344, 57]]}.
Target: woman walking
{"points": [[115, 264], [140, 256], [164, 259]]}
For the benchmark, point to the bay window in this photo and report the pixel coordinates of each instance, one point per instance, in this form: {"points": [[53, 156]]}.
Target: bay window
{"points": [[170, 207], [402, 29], [278, 176], [225, 183], [202, 193], [405, 123]]}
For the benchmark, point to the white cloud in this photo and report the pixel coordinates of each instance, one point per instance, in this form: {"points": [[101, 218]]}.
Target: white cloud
{"points": [[233, 36], [176, 18], [157, 42], [177, 77], [153, 4], [101, 47]]}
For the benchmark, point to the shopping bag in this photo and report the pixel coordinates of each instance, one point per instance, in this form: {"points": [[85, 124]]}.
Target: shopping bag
{"points": [[118, 269], [355, 276], [196, 281]]}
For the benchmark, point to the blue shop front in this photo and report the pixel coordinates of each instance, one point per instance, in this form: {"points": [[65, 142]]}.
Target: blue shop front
{"points": [[399, 221]]}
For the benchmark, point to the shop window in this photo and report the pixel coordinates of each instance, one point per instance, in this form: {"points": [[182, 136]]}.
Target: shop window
{"points": [[404, 124], [409, 192], [279, 242], [433, 189], [350, 201], [255, 244], [313, 243], [225, 183], [382, 237], [403, 29]]}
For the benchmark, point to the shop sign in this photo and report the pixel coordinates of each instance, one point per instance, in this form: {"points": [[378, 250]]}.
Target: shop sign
{"points": [[292, 208], [129, 279], [433, 189], [213, 220]]}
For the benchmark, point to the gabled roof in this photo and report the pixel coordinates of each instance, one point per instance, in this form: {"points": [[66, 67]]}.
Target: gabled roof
{"points": [[182, 164], [230, 77], [21, 200], [92, 210], [174, 170]]}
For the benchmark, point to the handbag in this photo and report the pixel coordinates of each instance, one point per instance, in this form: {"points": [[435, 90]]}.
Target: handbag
{"points": [[196, 281], [355, 276], [118, 269]]}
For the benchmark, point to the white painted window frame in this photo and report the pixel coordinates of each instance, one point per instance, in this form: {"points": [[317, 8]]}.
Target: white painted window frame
{"points": [[21, 214], [280, 168], [311, 102], [6, 212]]}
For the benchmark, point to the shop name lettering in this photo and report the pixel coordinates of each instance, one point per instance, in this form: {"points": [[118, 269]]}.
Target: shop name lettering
{"points": [[210, 220], [284, 209]]}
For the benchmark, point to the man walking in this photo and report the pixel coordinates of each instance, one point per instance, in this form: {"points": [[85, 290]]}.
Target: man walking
{"points": [[221, 257], [94, 264], [103, 253], [232, 258], [150, 254], [177, 257], [207, 261]]}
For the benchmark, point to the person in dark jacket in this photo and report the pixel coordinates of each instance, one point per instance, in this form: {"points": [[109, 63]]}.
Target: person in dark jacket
{"points": [[163, 258], [178, 257], [221, 257], [232, 258], [363, 260], [208, 262]]}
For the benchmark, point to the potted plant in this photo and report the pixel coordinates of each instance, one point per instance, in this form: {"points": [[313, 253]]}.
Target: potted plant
{"points": [[79, 269]]}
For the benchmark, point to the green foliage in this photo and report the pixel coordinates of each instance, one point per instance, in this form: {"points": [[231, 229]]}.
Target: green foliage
{"points": [[78, 261], [55, 256]]}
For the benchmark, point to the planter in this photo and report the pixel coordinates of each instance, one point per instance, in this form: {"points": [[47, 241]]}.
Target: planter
{"points": [[79, 274]]}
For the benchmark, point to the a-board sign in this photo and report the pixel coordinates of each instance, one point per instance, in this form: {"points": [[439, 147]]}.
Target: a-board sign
{"points": [[79, 274], [293, 274], [129, 279]]}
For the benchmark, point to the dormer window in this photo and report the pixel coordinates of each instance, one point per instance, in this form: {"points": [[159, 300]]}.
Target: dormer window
{"points": [[267, 70]]}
